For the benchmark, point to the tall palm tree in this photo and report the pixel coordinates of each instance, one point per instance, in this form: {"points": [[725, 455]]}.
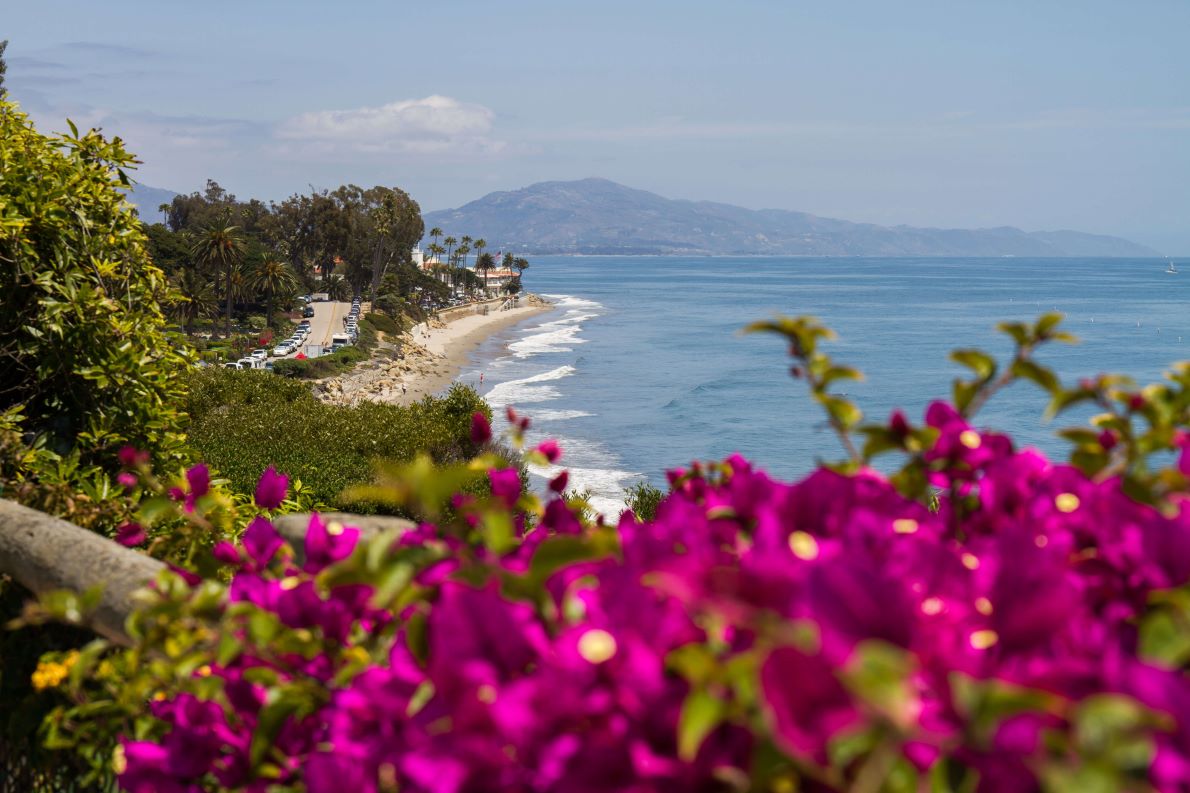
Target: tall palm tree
{"points": [[220, 249], [435, 233], [484, 263], [197, 298], [480, 244], [464, 242], [272, 276], [450, 244], [337, 288]]}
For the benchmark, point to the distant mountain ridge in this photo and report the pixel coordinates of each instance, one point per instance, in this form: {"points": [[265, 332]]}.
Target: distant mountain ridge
{"points": [[147, 200], [597, 216]]}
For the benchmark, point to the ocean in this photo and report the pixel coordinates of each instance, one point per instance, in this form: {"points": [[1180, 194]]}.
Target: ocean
{"points": [[642, 367]]}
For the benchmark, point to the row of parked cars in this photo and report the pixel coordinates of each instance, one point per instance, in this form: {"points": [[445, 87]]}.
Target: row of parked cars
{"points": [[351, 321], [259, 359], [293, 343]]}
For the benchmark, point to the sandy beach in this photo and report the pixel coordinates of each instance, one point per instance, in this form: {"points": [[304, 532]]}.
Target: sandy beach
{"points": [[434, 353]]}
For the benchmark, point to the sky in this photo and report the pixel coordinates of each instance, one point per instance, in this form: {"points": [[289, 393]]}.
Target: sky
{"points": [[1045, 114]]}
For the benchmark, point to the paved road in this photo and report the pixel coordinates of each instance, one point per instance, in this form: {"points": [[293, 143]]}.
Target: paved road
{"points": [[327, 321]]}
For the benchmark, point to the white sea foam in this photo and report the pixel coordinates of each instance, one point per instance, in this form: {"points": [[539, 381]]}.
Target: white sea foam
{"points": [[570, 302], [527, 389], [593, 468], [559, 334], [559, 339], [556, 415], [605, 485]]}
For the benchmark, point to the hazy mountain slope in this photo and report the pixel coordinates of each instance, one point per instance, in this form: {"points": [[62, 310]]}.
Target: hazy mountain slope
{"points": [[147, 200], [597, 216]]}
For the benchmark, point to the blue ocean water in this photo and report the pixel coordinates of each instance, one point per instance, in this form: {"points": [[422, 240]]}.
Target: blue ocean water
{"points": [[641, 365]]}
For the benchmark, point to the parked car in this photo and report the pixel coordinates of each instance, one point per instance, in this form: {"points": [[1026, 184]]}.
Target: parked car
{"points": [[282, 349], [250, 363], [260, 354], [307, 311], [232, 365]]}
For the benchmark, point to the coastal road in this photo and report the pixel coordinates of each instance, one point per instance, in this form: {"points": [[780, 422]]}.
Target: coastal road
{"points": [[327, 321]]}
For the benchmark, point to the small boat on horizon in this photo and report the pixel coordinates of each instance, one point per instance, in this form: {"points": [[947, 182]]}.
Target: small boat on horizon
{"points": [[1171, 269]]}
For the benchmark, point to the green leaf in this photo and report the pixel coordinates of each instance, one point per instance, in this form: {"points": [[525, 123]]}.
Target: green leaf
{"points": [[1165, 639], [977, 361], [701, 714], [1046, 323], [841, 410], [1017, 330], [559, 551], [964, 393], [279, 706], [880, 674], [1030, 370]]}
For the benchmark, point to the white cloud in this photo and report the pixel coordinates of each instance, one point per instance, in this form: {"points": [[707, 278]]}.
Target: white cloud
{"points": [[433, 124]]}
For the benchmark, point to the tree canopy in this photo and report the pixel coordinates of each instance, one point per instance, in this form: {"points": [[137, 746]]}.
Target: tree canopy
{"points": [[84, 358]]}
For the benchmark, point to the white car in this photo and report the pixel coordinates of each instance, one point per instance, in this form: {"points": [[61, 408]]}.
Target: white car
{"points": [[282, 350], [233, 365], [260, 354], [249, 363]]}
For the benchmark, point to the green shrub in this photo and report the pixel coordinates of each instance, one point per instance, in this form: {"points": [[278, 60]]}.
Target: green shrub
{"points": [[643, 499], [323, 366], [242, 422], [85, 361], [383, 323], [86, 366]]}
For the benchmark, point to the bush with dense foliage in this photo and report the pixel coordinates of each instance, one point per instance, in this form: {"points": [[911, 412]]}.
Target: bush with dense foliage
{"points": [[85, 364], [983, 619], [242, 422]]}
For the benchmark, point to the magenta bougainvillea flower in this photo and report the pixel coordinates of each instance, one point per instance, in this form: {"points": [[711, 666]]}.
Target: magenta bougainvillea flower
{"points": [[130, 535], [481, 430], [823, 626], [271, 489]]}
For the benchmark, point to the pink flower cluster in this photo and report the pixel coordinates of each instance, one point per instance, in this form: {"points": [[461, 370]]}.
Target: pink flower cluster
{"points": [[1029, 577]]}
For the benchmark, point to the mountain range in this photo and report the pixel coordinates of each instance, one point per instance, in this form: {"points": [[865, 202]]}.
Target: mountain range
{"points": [[147, 201], [597, 216]]}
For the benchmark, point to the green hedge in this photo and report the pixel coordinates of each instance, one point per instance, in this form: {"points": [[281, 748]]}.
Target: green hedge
{"points": [[242, 422]]}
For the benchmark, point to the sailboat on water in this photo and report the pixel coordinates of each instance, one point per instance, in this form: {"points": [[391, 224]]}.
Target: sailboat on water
{"points": [[1171, 269]]}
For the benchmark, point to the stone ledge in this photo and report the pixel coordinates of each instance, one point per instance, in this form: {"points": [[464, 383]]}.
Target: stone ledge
{"points": [[45, 553]]}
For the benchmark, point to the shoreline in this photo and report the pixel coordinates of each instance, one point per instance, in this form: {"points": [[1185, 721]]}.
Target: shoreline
{"points": [[435, 353]]}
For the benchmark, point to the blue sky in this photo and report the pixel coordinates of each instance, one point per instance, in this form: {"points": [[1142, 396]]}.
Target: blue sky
{"points": [[1044, 114]]}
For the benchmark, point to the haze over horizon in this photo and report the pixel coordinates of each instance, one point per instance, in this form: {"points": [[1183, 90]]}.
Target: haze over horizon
{"points": [[1062, 116]]}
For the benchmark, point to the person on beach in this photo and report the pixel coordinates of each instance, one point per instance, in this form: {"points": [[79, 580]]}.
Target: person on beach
{"points": [[481, 378]]}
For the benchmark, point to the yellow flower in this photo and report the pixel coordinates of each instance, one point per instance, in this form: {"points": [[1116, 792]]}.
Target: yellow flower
{"points": [[49, 674]]}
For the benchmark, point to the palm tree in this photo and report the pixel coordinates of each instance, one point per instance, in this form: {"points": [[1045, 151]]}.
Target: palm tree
{"points": [[220, 248], [197, 298], [270, 277], [480, 244], [464, 242], [521, 265], [435, 233], [485, 263], [450, 244], [337, 288]]}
